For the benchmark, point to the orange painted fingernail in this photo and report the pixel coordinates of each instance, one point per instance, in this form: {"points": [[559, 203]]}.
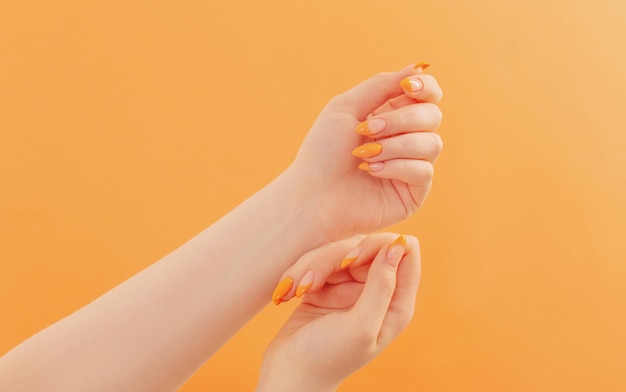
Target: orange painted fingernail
{"points": [[422, 64], [371, 127], [302, 289], [281, 290], [371, 167], [411, 84], [347, 261], [351, 257], [368, 150], [305, 284], [401, 240]]}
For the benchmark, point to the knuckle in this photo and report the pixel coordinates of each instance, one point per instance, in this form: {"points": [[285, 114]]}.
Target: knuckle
{"points": [[336, 101], [405, 119], [381, 76], [435, 93], [437, 143], [437, 115], [427, 171]]}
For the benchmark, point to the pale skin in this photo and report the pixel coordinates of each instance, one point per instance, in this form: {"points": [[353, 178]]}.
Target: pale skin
{"points": [[348, 315], [153, 331]]}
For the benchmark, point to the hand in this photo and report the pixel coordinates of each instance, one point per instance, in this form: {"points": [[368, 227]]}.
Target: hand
{"points": [[348, 315], [390, 186]]}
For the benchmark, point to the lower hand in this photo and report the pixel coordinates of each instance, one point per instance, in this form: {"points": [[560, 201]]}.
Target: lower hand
{"points": [[359, 294]]}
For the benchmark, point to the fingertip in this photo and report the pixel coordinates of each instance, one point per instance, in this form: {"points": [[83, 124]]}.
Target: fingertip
{"points": [[396, 251], [422, 87], [412, 84], [282, 289], [305, 284], [371, 166], [371, 127], [412, 243], [421, 66], [351, 257]]}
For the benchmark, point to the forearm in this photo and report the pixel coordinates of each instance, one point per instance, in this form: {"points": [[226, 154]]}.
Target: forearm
{"points": [[154, 330], [284, 380]]}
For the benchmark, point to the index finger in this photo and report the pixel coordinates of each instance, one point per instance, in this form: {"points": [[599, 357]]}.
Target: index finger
{"points": [[313, 270]]}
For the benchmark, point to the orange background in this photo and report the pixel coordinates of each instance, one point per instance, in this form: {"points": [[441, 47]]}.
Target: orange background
{"points": [[129, 126]]}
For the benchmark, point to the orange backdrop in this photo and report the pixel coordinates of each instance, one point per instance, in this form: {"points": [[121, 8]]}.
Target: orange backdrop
{"points": [[129, 126]]}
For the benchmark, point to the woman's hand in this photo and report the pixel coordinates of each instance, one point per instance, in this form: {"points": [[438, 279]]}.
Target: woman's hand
{"points": [[367, 162], [360, 294]]}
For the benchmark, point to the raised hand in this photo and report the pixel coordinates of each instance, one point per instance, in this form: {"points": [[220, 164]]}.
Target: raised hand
{"points": [[367, 162]]}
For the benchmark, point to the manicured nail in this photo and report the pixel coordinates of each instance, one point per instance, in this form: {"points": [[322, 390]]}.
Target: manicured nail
{"points": [[396, 250], [351, 257], [368, 150], [371, 166], [422, 64], [305, 284], [281, 290], [401, 240], [411, 84], [371, 127]]}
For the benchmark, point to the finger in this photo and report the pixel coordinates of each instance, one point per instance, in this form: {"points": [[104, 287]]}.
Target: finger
{"points": [[310, 269], [366, 250], [313, 270], [411, 171], [329, 263], [340, 277], [340, 296], [402, 306], [365, 97], [431, 92], [355, 273], [394, 103], [420, 145], [416, 173], [422, 88], [419, 117], [371, 308]]}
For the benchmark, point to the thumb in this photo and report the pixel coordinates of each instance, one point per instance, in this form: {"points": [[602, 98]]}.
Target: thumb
{"points": [[373, 304], [364, 98]]}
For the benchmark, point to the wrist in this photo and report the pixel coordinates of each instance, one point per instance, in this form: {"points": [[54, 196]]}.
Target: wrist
{"points": [[301, 200]]}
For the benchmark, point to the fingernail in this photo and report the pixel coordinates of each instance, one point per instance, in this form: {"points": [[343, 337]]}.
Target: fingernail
{"points": [[368, 150], [371, 167], [305, 284], [411, 84], [371, 127], [401, 240], [351, 257], [396, 250], [281, 290], [422, 64]]}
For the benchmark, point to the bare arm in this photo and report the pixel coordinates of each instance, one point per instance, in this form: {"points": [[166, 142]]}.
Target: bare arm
{"points": [[154, 330]]}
